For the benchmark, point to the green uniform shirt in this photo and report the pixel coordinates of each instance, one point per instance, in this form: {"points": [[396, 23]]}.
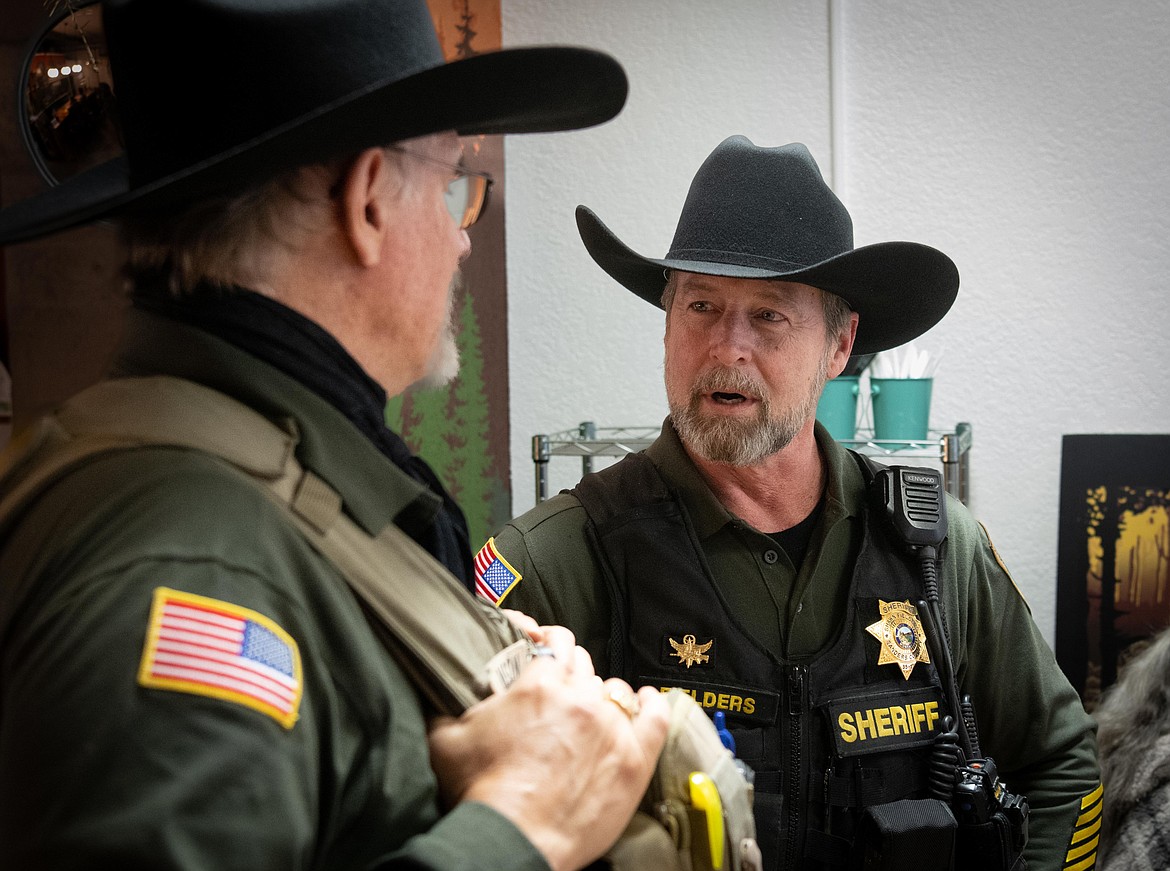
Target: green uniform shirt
{"points": [[98, 769], [1031, 721]]}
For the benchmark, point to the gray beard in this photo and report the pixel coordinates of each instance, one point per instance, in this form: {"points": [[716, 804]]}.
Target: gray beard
{"points": [[443, 367], [735, 441]]}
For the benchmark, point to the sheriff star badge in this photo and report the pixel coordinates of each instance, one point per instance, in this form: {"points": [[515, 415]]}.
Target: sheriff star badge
{"points": [[900, 632]]}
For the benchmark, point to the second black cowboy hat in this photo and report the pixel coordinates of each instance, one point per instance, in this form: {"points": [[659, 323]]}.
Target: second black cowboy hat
{"points": [[755, 212], [215, 95]]}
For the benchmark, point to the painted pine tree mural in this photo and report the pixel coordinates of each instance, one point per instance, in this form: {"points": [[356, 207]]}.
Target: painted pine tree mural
{"points": [[448, 427], [462, 430], [469, 430]]}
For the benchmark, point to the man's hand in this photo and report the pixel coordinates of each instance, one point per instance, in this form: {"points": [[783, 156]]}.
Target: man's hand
{"points": [[555, 640], [562, 754]]}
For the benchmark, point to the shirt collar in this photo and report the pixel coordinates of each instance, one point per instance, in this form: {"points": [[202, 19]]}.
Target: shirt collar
{"points": [[843, 490]]}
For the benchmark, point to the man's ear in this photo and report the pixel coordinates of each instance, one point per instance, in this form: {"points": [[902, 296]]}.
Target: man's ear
{"points": [[844, 347], [365, 204]]}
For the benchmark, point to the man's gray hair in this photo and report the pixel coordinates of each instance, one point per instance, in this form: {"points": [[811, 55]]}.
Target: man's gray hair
{"points": [[237, 239]]}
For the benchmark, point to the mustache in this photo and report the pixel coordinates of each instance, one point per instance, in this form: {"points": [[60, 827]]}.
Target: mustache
{"points": [[727, 380]]}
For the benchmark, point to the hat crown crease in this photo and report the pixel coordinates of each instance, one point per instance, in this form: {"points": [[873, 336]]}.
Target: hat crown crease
{"points": [[762, 205]]}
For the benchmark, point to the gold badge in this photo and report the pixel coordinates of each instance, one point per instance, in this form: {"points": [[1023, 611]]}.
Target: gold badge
{"points": [[901, 635], [689, 652]]}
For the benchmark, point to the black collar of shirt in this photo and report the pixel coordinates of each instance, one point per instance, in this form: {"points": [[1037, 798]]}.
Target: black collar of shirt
{"points": [[710, 516], [303, 350]]}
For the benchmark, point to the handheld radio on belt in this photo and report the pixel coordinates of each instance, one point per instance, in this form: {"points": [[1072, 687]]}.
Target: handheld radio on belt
{"points": [[992, 822]]}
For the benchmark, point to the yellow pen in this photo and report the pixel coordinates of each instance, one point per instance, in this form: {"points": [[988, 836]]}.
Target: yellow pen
{"points": [[705, 798]]}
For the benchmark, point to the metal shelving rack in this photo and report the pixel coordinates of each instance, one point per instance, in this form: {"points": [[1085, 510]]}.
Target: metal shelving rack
{"points": [[949, 448]]}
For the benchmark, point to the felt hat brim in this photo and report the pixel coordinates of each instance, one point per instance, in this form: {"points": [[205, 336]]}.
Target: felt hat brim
{"points": [[522, 90], [898, 289]]}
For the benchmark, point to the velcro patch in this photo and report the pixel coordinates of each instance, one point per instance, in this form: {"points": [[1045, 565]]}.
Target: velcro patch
{"points": [[888, 721], [207, 647], [494, 575]]}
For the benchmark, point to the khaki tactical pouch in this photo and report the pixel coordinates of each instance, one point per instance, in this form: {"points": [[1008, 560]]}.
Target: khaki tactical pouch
{"points": [[697, 813]]}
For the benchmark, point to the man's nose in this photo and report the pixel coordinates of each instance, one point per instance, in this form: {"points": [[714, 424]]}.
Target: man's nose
{"points": [[731, 340]]}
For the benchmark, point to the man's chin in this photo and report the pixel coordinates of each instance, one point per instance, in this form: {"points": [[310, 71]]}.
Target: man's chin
{"points": [[439, 377], [732, 439], [443, 367]]}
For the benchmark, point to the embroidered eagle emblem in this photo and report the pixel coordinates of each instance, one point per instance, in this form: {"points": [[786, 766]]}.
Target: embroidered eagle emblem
{"points": [[689, 652]]}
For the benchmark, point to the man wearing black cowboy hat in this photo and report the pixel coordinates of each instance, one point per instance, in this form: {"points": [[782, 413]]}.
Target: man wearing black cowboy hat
{"points": [[227, 636], [740, 558]]}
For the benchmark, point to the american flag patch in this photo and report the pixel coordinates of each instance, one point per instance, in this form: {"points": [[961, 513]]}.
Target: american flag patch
{"points": [[211, 648], [493, 576]]}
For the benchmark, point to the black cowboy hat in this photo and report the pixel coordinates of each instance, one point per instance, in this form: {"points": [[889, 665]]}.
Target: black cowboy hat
{"points": [[755, 212], [215, 95]]}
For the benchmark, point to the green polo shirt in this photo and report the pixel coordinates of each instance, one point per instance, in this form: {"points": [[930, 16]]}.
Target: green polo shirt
{"points": [[789, 611], [1031, 720]]}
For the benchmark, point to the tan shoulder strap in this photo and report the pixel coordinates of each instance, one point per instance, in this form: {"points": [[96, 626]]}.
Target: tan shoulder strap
{"points": [[132, 412], [450, 642]]}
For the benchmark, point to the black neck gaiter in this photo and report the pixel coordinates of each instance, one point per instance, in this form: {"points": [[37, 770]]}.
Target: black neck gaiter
{"points": [[301, 349]]}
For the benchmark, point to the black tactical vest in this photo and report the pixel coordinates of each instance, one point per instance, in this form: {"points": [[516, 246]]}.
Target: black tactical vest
{"points": [[826, 736]]}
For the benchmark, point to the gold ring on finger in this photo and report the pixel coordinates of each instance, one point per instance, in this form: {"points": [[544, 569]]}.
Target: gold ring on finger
{"points": [[627, 701]]}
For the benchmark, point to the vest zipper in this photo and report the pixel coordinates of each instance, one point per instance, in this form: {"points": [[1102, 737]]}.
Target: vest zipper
{"points": [[794, 846]]}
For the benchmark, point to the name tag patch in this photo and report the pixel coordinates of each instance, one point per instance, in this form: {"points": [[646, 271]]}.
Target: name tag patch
{"points": [[740, 703], [890, 721]]}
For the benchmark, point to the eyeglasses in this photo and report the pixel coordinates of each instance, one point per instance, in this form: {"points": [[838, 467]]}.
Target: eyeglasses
{"points": [[467, 193]]}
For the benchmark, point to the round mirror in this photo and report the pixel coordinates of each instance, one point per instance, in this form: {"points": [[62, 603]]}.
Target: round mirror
{"points": [[71, 120]]}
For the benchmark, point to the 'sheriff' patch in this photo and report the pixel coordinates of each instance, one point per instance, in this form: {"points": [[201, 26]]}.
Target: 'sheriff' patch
{"points": [[212, 648], [887, 721]]}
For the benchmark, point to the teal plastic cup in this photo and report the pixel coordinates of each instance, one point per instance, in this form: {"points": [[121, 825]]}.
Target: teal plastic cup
{"points": [[837, 409], [901, 408]]}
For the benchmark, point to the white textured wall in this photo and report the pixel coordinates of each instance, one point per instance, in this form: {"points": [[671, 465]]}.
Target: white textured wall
{"points": [[1027, 140], [582, 347]]}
